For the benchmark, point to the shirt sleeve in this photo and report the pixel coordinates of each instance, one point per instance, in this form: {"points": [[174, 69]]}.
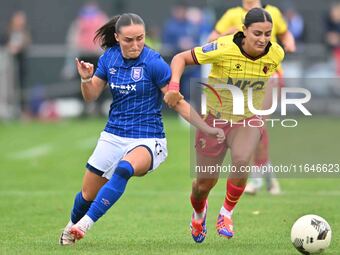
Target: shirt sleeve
{"points": [[101, 71], [160, 72], [279, 22], [224, 23], [207, 54]]}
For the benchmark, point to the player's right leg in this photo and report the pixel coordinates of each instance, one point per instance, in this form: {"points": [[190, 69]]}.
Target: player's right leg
{"points": [[199, 202], [208, 154], [92, 182]]}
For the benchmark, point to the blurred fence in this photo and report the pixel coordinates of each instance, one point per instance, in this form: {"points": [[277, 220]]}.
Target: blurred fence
{"points": [[311, 65], [8, 91]]}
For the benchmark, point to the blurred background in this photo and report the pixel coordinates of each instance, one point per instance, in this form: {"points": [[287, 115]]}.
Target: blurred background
{"points": [[39, 40]]}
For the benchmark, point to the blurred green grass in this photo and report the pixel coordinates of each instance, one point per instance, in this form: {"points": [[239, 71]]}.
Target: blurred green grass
{"points": [[42, 166]]}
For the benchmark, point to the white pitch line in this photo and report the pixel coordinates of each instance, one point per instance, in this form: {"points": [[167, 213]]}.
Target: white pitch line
{"points": [[33, 152]]}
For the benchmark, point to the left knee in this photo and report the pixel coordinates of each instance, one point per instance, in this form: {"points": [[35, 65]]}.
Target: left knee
{"points": [[124, 169]]}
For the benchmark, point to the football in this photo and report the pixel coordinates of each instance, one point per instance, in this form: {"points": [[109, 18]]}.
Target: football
{"points": [[311, 234]]}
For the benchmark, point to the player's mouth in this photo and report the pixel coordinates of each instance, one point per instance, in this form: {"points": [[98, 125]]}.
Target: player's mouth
{"points": [[260, 45]]}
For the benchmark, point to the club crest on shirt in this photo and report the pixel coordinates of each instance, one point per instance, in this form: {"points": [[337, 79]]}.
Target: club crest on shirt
{"points": [[137, 73], [265, 69]]}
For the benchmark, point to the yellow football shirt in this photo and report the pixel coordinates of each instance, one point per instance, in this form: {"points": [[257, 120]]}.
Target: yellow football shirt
{"points": [[232, 66], [234, 18]]}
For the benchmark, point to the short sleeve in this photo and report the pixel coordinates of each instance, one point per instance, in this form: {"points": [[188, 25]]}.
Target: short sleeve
{"points": [[101, 71], [160, 72], [224, 23], [207, 54], [279, 22]]}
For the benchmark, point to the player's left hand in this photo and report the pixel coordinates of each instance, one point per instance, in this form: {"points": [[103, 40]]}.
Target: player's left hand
{"points": [[218, 133]]}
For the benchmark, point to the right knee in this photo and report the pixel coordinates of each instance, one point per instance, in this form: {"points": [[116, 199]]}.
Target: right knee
{"points": [[202, 188]]}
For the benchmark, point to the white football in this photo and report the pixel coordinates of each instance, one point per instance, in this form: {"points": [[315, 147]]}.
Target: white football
{"points": [[311, 234]]}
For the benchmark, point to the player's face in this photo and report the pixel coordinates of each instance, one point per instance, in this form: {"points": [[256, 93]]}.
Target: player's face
{"points": [[131, 40], [257, 37]]}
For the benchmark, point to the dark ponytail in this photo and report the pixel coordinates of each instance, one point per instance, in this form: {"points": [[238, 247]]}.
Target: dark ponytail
{"points": [[256, 15], [105, 34]]}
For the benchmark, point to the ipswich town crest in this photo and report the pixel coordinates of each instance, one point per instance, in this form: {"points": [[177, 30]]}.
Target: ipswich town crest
{"points": [[137, 73]]}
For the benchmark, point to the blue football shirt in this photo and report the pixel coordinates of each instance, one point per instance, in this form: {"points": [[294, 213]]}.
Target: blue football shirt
{"points": [[135, 84]]}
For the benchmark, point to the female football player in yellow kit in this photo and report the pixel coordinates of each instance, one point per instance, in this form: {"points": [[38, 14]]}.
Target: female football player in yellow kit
{"points": [[229, 23], [244, 61]]}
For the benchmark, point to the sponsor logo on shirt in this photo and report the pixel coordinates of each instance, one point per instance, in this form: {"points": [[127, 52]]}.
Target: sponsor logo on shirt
{"points": [[209, 47], [124, 89]]}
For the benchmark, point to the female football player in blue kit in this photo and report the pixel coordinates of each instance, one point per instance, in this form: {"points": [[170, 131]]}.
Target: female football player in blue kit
{"points": [[133, 141]]}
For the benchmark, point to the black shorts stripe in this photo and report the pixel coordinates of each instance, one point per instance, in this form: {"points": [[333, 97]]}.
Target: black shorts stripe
{"points": [[94, 170]]}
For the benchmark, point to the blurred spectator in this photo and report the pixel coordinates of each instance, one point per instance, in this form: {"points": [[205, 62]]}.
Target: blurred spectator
{"points": [[80, 44], [17, 40], [333, 33], [80, 37], [175, 36], [152, 38], [183, 31], [295, 24]]}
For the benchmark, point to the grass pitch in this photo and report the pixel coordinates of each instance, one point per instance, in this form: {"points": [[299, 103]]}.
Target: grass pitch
{"points": [[42, 167]]}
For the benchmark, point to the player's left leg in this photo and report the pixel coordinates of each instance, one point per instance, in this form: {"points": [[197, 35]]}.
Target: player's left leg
{"points": [[135, 163], [242, 142], [261, 156]]}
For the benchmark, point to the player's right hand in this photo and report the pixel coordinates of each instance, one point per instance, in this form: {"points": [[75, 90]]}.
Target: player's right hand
{"points": [[85, 69], [172, 97]]}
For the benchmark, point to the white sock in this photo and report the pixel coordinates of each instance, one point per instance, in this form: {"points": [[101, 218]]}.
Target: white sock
{"points": [[198, 216], [85, 223], [69, 225], [226, 213]]}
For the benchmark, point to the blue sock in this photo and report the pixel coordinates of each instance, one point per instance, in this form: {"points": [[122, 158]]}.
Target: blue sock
{"points": [[80, 208], [111, 191]]}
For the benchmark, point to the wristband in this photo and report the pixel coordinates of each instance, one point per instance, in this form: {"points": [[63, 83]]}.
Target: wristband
{"points": [[85, 80], [174, 86]]}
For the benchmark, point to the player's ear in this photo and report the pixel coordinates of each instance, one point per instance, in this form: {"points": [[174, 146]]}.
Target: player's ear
{"points": [[244, 29], [117, 37]]}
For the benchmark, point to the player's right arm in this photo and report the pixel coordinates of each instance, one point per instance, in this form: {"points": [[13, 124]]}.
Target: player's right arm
{"points": [[91, 86], [206, 54], [178, 64]]}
